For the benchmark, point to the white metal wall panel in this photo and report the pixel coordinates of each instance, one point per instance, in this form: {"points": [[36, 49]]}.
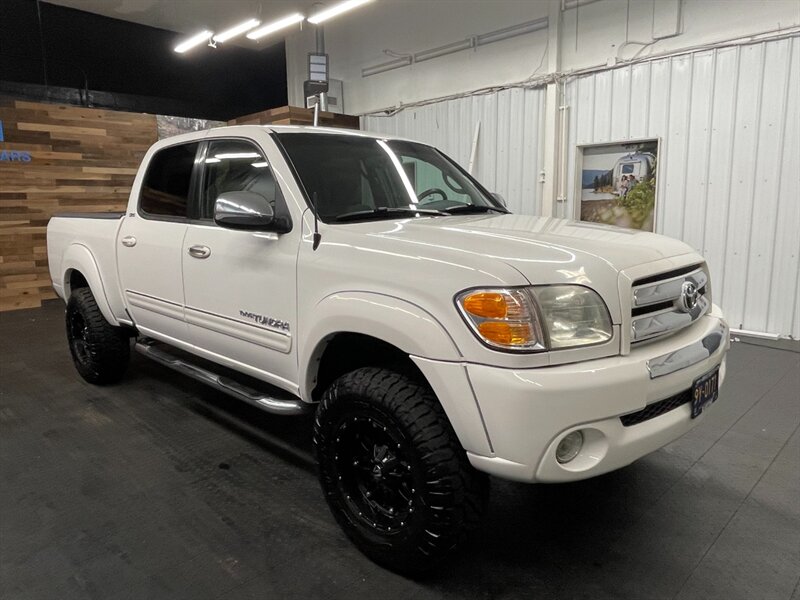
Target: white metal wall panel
{"points": [[508, 159], [729, 164]]}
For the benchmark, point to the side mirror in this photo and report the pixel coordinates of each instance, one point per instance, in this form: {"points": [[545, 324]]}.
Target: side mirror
{"points": [[500, 199], [243, 210]]}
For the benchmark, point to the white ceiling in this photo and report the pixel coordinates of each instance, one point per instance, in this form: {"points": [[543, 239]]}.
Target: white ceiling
{"points": [[190, 16]]}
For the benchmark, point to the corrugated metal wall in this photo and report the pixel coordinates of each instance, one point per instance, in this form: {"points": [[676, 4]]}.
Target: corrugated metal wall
{"points": [[509, 155], [729, 164]]}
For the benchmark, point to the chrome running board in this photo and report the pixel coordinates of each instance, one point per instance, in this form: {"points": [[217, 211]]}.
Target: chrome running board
{"points": [[287, 405]]}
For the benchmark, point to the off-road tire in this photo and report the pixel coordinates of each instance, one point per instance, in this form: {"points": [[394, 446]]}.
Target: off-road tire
{"points": [[100, 351], [447, 496]]}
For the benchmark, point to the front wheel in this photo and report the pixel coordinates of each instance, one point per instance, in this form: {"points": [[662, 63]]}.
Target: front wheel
{"points": [[99, 350], [392, 470]]}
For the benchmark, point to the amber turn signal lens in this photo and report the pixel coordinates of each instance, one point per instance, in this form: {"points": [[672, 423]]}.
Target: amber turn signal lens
{"points": [[505, 333], [489, 305]]}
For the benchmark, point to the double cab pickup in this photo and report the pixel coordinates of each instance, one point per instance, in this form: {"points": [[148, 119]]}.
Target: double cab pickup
{"points": [[436, 337]]}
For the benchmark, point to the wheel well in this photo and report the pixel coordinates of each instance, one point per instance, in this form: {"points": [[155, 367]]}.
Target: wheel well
{"points": [[75, 280], [345, 352]]}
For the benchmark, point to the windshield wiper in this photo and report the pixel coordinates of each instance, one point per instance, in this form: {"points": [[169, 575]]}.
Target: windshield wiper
{"points": [[387, 211], [475, 208]]}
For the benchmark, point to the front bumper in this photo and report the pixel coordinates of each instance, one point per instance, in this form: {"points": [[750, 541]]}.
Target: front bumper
{"points": [[526, 412]]}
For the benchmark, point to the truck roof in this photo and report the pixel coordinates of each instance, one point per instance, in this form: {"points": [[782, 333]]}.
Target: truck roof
{"points": [[243, 129], [335, 130]]}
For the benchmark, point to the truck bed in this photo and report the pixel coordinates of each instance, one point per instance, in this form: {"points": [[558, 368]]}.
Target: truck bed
{"points": [[70, 234]]}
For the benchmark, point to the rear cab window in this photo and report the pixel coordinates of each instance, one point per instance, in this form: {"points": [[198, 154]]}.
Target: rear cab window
{"points": [[168, 181]]}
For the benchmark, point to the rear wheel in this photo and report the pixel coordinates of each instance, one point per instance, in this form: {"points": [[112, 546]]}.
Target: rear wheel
{"points": [[392, 470], [99, 350]]}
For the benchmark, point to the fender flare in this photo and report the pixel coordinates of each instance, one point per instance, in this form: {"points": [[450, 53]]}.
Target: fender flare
{"points": [[79, 258], [415, 332], [398, 322]]}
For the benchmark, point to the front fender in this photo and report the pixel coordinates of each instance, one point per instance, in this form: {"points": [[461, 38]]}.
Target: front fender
{"points": [[398, 322], [406, 326], [79, 258], [414, 331]]}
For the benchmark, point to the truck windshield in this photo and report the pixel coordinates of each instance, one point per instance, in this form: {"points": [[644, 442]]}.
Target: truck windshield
{"points": [[353, 178]]}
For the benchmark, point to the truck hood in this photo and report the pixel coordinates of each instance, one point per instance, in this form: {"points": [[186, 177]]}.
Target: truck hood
{"points": [[541, 250], [534, 245]]}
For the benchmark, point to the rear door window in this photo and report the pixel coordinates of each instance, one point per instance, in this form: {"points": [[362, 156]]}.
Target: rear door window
{"points": [[167, 183]]}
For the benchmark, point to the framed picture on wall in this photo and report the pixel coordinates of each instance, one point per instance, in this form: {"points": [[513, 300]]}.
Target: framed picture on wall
{"points": [[617, 183]]}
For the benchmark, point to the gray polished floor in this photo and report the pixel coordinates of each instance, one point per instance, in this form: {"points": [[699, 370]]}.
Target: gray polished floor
{"points": [[161, 488]]}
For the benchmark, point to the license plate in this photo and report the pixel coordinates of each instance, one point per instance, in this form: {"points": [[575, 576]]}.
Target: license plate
{"points": [[704, 391]]}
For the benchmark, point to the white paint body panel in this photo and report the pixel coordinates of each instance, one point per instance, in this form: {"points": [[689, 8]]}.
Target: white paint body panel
{"points": [[396, 280], [150, 275]]}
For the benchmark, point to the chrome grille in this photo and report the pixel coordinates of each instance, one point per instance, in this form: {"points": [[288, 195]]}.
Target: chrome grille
{"points": [[661, 306]]}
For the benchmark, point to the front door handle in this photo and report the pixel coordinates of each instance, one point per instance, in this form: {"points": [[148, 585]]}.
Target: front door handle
{"points": [[129, 241], [200, 251]]}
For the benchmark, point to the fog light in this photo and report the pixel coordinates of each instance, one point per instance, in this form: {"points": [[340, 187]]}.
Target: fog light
{"points": [[569, 447]]}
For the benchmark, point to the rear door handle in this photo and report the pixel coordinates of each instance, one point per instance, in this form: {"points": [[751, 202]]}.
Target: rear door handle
{"points": [[129, 241], [200, 251]]}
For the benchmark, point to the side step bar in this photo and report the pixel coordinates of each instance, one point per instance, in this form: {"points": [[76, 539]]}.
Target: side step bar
{"points": [[281, 406]]}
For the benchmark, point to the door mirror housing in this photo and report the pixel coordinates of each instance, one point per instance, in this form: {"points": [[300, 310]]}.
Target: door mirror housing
{"points": [[243, 210], [500, 199]]}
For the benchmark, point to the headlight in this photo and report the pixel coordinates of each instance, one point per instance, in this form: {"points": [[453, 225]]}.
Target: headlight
{"points": [[538, 318], [503, 318], [574, 316]]}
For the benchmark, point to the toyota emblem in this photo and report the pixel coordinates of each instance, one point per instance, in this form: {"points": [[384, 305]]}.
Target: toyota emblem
{"points": [[689, 296]]}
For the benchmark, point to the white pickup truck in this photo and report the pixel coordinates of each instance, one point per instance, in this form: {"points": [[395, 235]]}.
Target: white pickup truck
{"points": [[437, 336]]}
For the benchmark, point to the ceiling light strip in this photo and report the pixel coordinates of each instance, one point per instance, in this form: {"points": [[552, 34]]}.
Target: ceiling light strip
{"points": [[335, 10], [236, 30], [275, 26], [193, 41]]}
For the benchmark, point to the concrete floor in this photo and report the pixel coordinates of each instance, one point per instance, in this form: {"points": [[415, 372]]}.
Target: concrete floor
{"points": [[161, 488]]}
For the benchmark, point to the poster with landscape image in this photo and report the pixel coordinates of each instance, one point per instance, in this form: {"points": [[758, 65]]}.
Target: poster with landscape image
{"points": [[618, 184]]}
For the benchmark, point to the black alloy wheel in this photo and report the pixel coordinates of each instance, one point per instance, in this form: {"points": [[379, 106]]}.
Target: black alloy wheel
{"points": [[394, 475], [100, 351]]}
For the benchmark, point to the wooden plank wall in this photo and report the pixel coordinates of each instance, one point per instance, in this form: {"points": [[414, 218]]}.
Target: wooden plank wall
{"points": [[294, 115], [82, 159]]}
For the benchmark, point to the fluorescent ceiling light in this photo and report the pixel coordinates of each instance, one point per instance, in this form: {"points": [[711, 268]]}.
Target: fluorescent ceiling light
{"points": [[335, 10], [237, 30], [193, 41], [260, 165], [275, 26], [212, 160]]}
